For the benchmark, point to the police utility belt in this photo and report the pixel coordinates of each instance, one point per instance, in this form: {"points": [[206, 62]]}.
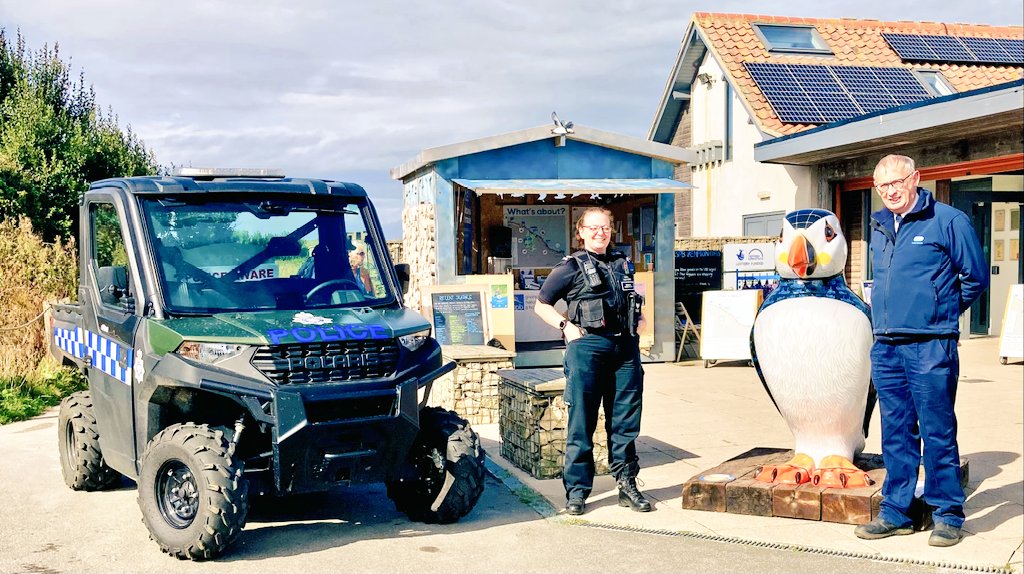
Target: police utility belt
{"points": [[591, 295]]}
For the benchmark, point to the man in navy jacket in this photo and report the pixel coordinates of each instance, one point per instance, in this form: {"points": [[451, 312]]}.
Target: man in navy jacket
{"points": [[928, 269]]}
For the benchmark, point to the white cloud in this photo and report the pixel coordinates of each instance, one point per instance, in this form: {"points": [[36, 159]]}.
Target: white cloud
{"points": [[347, 89]]}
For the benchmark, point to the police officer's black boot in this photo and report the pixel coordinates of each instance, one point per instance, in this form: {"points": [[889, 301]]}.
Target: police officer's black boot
{"points": [[630, 495]]}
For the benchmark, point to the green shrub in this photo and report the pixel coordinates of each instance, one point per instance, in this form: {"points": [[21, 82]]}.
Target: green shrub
{"points": [[25, 396], [34, 272]]}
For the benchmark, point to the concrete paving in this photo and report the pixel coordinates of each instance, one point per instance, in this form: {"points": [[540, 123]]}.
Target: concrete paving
{"points": [[695, 418]]}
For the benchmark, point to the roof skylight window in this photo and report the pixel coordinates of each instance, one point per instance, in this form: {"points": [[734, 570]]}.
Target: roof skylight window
{"points": [[792, 39], [934, 81]]}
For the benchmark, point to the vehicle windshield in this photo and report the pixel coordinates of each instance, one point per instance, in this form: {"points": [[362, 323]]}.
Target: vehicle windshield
{"points": [[220, 253]]}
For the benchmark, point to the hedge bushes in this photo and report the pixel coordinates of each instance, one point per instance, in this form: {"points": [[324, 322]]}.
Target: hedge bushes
{"points": [[32, 272]]}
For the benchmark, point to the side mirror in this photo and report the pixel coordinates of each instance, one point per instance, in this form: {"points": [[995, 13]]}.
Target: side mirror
{"points": [[113, 283], [402, 270]]}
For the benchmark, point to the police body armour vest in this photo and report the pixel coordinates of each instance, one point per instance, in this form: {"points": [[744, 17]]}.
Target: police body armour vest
{"points": [[597, 297]]}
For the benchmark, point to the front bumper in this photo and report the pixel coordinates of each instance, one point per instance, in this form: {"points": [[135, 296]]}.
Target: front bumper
{"points": [[325, 437]]}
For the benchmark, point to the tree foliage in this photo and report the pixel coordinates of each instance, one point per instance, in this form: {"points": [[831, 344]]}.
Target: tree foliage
{"points": [[54, 140]]}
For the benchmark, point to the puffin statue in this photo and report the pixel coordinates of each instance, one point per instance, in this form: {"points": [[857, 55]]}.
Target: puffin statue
{"points": [[811, 344]]}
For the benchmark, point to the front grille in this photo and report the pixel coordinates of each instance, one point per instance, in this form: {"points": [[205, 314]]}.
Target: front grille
{"points": [[327, 362]]}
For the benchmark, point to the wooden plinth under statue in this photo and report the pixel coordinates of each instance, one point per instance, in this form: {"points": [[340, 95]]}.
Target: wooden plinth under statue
{"points": [[731, 487]]}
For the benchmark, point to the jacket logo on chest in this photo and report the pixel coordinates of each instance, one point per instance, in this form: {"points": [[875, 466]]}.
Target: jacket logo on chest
{"points": [[918, 239]]}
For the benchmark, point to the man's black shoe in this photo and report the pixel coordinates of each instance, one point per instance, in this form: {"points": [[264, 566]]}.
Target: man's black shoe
{"points": [[945, 535], [630, 495], [879, 528], [575, 506]]}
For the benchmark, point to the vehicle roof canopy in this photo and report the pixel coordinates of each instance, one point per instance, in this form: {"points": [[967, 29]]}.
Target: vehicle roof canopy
{"points": [[168, 185]]}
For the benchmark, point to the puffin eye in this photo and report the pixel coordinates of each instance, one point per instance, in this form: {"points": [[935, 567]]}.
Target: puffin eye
{"points": [[830, 233]]}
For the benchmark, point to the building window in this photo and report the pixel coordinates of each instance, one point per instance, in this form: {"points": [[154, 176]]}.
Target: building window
{"points": [[763, 224], [792, 39], [934, 82]]}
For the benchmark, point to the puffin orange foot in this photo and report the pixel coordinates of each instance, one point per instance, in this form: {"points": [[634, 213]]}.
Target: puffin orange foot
{"points": [[797, 471], [838, 472]]}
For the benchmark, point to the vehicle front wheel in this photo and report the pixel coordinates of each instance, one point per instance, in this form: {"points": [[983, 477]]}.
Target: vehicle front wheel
{"points": [[444, 475], [193, 496], [78, 441]]}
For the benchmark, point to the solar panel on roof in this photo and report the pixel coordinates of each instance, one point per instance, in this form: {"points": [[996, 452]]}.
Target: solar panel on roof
{"points": [[949, 48], [865, 87], [1015, 48], [823, 94], [931, 48], [910, 47], [985, 50]]}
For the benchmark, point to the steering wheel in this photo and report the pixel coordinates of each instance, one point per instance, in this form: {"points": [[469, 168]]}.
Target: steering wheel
{"points": [[332, 285]]}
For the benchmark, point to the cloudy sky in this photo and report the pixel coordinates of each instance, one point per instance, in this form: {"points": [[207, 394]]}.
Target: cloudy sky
{"points": [[348, 89]]}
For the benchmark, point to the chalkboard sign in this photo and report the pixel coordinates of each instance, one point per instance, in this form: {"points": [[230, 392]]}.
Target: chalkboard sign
{"points": [[695, 273], [458, 318]]}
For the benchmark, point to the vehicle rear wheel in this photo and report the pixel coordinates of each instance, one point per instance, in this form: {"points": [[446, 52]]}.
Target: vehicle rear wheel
{"points": [[193, 496], [78, 441], [443, 477]]}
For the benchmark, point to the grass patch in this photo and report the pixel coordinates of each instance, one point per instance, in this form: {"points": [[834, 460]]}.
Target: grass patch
{"points": [[23, 397]]}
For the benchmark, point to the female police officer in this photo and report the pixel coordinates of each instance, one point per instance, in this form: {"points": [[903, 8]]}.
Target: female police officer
{"points": [[602, 359]]}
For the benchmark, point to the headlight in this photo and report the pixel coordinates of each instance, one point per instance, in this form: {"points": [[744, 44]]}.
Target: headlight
{"points": [[415, 340], [208, 352]]}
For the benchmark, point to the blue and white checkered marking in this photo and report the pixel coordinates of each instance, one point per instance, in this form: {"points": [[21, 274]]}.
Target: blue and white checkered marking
{"points": [[104, 353]]}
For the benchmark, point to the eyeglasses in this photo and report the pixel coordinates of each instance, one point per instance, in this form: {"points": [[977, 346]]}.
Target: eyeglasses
{"points": [[893, 183], [596, 228]]}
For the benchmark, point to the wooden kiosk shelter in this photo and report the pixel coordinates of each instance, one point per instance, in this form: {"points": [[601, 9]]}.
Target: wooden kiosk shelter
{"points": [[486, 220]]}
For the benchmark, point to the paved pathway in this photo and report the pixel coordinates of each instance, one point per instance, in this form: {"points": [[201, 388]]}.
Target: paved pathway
{"points": [[695, 418]]}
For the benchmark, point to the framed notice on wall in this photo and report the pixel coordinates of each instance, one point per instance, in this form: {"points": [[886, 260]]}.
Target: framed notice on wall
{"points": [[459, 317], [540, 234]]}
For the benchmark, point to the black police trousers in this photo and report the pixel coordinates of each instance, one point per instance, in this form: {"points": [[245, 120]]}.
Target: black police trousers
{"points": [[606, 370]]}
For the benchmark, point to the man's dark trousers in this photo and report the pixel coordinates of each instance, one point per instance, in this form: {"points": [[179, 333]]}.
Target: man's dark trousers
{"points": [[916, 383], [601, 369]]}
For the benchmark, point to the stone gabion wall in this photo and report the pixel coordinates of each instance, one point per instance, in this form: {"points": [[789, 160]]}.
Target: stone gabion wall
{"points": [[533, 432], [396, 251], [419, 250], [471, 390]]}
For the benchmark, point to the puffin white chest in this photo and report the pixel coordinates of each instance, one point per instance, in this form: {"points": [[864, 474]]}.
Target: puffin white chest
{"points": [[812, 354]]}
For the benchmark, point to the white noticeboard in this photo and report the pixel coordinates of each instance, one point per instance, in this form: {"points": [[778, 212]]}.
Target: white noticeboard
{"points": [[726, 320], [1011, 337], [530, 328]]}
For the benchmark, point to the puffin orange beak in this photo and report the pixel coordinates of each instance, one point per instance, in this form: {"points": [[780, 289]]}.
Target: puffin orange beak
{"points": [[801, 256]]}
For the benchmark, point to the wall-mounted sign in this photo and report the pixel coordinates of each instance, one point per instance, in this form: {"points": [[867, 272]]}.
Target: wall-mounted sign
{"points": [[458, 318], [696, 271], [540, 234], [748, 256]]}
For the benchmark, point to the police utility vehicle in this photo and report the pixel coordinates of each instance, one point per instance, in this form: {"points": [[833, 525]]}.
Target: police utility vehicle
{"points": [[233, 349]]}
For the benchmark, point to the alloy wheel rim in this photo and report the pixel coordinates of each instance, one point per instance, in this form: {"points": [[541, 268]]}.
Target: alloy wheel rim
{"points": [[177, 494]]}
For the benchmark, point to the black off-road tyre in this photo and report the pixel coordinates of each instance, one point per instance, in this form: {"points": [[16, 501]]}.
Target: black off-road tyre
{"points": [[81, 461], [193, 496], [444, 475]]}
